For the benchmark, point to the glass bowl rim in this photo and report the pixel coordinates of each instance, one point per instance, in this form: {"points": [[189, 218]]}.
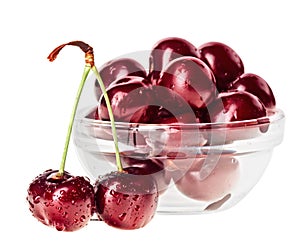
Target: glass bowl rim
{"points": [[274, 116]]}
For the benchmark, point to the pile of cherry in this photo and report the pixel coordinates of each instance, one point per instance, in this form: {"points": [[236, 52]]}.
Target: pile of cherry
{"points": [[184, 84], [205, 85]]}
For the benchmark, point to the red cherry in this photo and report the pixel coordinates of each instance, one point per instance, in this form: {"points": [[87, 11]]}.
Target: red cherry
{"points": [[116, 69], [208, 179], [236, 106], [191, 79], [257, 86], [224, 62], [166, 50], [129, 101], [125, 200], [153, 167], [65, 202]]}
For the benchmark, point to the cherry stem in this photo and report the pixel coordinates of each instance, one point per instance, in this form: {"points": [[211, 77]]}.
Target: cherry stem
{"points": [[89, 60], [86, 71], [111, 117]]}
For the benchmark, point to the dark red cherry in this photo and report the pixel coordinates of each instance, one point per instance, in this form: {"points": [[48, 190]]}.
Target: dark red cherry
{"points": [[224, 62], [116, 69], [129, 101], [191, 79], [167, 50], [236, 106], [257, 86], [125, 200], [64, 202], [153, 167], [208, 179]]}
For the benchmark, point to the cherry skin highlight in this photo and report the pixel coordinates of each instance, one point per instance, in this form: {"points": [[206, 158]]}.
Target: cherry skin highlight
{"points": [[65, 202]]}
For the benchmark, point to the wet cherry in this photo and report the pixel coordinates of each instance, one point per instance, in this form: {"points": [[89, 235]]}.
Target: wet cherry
{"points": [[257, 86], [153, 167], [191, 79], [126, 200], [166, 50], [116, 69], [129, 101], [224, 62], [65, 202], [235, 106]]}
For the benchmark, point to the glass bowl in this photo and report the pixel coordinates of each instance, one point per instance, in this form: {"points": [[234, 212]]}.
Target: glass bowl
{"points": [[198, 167]]}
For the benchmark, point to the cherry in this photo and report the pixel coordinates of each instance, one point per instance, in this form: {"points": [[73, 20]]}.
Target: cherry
{"points": [[224, 62], [116, 69], [153, 167], [167, 50], [208, 179], [191, 79], [55, 197], [236, 106], [65, 202], [125, 200], [257, 86], [129, 101]]}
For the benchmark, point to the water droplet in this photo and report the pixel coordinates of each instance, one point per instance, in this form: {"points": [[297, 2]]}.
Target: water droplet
{"points": [[135, 197], [73, 202], [76, 213], [82, 218], [62, 192], [36, 200], [83, 189], [60, 226], [113, 193], [122, 216], [118, 201], [137, 208], [59, 209], [47, 204]]}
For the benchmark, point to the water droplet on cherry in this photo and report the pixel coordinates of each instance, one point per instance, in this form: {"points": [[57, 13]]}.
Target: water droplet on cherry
{"points": [[122, 216], [60, 226], [82, 218], [36, 200]]}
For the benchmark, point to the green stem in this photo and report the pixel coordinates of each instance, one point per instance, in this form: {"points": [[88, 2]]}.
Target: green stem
{"points": [[111, 117], [86, 71]]}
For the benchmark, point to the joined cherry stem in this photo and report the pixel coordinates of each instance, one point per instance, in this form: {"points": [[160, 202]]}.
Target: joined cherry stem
{"points": [[90, 65]]}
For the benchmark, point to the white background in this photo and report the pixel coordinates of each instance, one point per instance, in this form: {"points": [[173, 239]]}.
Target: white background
{"points": [[37, 96]]}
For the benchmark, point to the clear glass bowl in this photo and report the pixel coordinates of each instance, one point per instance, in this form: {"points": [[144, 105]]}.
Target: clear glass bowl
{"points": [[198, 167]]}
